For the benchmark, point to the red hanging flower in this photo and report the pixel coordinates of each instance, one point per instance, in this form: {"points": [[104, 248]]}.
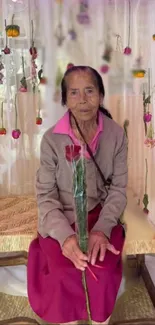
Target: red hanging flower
{"points": [[2, 131], [38, 120], [72, 152]]}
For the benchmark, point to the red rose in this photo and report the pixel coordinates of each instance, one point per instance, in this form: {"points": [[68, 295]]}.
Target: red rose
{"points": [[72, 152]]}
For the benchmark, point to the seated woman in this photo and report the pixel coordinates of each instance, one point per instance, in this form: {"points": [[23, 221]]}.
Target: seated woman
{"points": [[55, 260]]}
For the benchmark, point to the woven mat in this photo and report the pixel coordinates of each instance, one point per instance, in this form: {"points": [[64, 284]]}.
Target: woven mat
{"points": [[134, 303]]}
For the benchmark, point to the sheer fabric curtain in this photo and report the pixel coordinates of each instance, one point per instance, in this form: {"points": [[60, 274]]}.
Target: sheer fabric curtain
{"points": [[123, 92]]}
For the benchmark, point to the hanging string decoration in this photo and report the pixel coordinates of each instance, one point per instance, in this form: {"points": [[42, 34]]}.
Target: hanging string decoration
{"points": [[146, 198], [23, 86], [33, 53], [2, 128], [1, 68], [16, 131], [6, 50], [12, 30], [128, 50], [138, 72], [83, 17], [39, 118], [59, 30]]}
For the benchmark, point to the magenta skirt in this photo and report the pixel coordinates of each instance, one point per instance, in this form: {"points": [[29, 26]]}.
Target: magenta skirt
{"points": [[55, 288]]}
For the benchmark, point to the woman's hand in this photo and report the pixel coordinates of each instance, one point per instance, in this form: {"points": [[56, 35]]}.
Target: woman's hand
{"points": [[97, 246], [71, 250]]}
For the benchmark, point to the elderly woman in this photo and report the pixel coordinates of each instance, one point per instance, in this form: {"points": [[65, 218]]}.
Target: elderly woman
{"points": [[55, 260]]}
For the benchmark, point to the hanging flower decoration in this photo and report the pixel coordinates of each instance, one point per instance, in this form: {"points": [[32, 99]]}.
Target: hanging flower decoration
{"points": [[33, 49], [128, 50], [150, 141], [2, 128], [83, 17], [41, 77], [146, 198], [138, 72], [71, 32], [23, 86], [104, 68], [125, 126], [12, 30], [1, 68], [16, 132], [38, 118], [57, 93], [59, 30], [147, 115], [106, 57], [6, 50], [107, 53]]}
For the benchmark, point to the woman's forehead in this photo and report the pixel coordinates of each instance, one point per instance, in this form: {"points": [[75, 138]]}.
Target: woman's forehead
{"points": [[80, 77]]}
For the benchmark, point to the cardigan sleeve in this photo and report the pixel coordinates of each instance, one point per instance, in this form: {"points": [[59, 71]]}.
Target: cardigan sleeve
{"points": [[116, 200], [51, 220]]}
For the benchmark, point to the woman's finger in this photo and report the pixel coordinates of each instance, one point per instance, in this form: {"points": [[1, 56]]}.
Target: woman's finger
{"points": [[94, 253], [112, 249], [102, 252]]}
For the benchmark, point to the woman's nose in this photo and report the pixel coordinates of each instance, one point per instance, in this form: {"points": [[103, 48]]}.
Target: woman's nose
{"points": [[82, 97]]}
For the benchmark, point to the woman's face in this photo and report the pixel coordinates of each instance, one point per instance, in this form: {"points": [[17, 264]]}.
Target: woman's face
{"points": [[83, 97]]}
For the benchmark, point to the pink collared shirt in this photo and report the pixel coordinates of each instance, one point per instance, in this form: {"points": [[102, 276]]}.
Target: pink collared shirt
{"points": [[63, 127]]}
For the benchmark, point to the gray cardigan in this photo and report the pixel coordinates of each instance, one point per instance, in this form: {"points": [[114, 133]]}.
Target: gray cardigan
{"points": [[54, 182]]}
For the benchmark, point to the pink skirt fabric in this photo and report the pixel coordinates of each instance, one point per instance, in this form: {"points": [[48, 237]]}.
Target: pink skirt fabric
{"points": [[55, 288]]}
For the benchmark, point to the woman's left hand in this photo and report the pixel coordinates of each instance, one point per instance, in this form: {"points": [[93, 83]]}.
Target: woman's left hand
{"points": [[97, 246]]}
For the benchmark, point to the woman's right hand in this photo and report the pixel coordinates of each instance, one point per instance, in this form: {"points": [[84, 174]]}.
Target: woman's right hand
{"points": [[71, 250]]}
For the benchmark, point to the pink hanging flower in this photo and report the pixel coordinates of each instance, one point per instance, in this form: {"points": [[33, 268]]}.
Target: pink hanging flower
{"points": [[16, 133], [127, 50], [6, 50], [147, 117], [23, 89], [104, 68]]}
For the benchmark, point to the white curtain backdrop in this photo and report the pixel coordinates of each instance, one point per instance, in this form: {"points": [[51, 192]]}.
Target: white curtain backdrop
{"points": [[19, 158]]}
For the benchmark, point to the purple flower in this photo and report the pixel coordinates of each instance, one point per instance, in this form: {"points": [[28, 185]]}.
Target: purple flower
{"points": [[83, 18], [72, 34]]}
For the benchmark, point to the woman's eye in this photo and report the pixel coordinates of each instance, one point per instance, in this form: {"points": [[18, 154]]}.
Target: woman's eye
{"points": [[89, 91], [73, 93]]}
